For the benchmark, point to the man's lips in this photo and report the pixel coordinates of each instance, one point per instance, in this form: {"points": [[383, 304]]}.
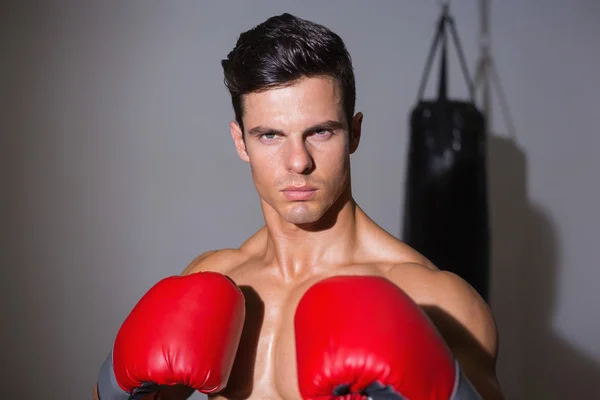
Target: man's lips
{"points": [[299, 192]]}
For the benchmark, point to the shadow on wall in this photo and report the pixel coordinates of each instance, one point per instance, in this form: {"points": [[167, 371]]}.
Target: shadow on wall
{"points": [[534, 362]]}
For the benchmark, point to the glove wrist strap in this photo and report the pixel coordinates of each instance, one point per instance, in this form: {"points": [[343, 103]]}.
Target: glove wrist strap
{"points": [[463, 389], [108, 388]]}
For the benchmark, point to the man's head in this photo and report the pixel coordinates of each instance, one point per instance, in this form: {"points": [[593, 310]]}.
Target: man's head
{"points": [[293, 93], [282, 50]]}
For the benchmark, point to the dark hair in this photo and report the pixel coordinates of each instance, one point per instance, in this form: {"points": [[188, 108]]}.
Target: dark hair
{"points": [[280, 51]]}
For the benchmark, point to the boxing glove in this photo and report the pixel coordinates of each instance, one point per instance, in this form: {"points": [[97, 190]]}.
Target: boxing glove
{"points": [[184, 330], [362, 337]]}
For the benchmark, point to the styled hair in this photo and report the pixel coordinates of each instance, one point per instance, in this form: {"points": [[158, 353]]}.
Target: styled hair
{"points": [[282, 50]]}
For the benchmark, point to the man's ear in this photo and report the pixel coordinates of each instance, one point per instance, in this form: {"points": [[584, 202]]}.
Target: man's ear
{"points": [[238, 139], [355, 132]]}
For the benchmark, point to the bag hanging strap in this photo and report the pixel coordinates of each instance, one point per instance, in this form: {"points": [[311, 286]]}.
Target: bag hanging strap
{"points": [[441, 37]]}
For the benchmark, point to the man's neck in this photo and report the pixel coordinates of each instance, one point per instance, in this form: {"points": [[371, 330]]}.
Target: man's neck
{"points": [[295, 251]]}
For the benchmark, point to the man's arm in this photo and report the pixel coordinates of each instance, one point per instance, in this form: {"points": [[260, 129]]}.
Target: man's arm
{"points": [[467, 326]]}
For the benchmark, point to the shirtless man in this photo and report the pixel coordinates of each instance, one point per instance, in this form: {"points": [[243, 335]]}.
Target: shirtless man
{"points": [[293, 94]]}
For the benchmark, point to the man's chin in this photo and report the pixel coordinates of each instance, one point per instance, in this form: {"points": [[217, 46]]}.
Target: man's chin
{"points": [[310, 220], [302, 215], [302, 220]]}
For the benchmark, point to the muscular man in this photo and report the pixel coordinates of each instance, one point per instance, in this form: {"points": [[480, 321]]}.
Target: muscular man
{"points": [[293, 93]]}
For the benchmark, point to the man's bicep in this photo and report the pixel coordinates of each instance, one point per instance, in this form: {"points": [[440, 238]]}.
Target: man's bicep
{"points": [[468, 327], [467, 348], [468, 318]]}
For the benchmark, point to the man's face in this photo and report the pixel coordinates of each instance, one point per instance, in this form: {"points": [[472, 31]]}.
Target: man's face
{"points": [[298, 146]]}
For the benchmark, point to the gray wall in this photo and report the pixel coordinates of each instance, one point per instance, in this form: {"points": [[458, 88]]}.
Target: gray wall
{"points": [[117, 168]]}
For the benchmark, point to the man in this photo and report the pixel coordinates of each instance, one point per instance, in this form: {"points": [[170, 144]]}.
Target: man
{"points": [[293, 93]]}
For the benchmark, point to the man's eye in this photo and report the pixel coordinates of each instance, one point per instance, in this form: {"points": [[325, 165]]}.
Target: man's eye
{"points": [[268, 136], [322, 133]]}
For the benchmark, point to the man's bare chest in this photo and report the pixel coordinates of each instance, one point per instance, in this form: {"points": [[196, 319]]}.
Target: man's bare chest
{"points": [[265, 365], [265, 362]]}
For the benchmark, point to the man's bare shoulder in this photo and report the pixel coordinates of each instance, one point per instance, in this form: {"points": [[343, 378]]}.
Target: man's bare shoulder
{"points": [[431, 287], [439, 292], [451, 294], [461, 315]]}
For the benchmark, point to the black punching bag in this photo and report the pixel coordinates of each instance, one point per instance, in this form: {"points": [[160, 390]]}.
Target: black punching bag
{"points": [[446, 206]]}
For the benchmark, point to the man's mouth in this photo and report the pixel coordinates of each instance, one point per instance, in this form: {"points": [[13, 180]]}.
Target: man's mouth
{"points": [[299, 192]]}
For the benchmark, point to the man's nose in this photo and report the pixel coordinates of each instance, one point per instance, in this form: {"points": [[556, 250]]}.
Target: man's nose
{"points": [[298, 157]]}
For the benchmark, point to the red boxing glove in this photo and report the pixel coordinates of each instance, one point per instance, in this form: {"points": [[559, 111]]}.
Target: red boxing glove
{"points": [[185, 330], [360, 337]]}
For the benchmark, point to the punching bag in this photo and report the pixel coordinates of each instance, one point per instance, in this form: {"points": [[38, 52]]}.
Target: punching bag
{"points": [[446, 205]]}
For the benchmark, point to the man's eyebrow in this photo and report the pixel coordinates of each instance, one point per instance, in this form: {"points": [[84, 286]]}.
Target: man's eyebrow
{"points": [[330, 125], [264, 130]]}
